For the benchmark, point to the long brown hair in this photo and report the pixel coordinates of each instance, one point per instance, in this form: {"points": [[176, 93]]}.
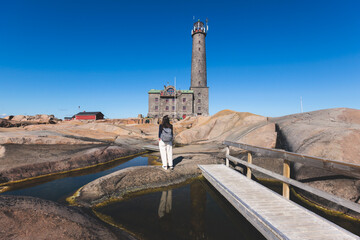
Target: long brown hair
{"points": [[166, 122]]}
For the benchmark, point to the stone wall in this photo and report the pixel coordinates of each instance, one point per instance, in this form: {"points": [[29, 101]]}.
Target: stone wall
{"points": [[201, 101], [152, 103], [198, 61], [170, 102]]}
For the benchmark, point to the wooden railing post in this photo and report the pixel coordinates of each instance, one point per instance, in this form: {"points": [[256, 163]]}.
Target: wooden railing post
{"points": [[349, 169], [227, 152], [248, 171], [286, 173]]}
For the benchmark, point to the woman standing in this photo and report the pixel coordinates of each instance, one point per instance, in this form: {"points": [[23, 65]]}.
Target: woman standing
{"points": [[165, 143]]}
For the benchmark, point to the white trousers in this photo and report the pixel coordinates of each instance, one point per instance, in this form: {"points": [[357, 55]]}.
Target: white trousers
{"points": [[166, 153]]}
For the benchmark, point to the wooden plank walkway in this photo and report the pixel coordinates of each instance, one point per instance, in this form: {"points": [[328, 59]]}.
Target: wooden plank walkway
{"points": [[274, 216]]}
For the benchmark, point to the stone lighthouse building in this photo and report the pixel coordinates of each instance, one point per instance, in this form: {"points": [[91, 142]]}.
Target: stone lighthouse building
{"points": [[198, 70], [182, 103]]}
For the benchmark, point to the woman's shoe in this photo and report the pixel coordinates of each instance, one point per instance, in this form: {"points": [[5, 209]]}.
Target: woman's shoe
{"points": [[171, 168], [165, 167]]}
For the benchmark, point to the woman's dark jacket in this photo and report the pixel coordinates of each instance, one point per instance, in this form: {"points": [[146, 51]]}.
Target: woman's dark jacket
{"points": [[161, 128]]}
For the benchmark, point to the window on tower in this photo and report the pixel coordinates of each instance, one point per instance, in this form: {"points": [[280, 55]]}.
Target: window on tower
{"points": [[199, 100], [184, 99], [167, 108], [199, 94], [199, 41], [199, 108], [184, 108], [173, 108], [167, 100], [156, 107], [199, 49]]}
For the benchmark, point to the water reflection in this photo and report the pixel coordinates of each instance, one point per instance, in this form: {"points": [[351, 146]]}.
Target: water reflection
{"points": [[165, 203], [198, 206], [197, 210], [187, 212]]}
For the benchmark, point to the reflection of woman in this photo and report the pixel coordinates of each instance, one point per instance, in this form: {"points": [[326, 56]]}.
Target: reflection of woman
{"points": [[165, 143], [165, 203]]}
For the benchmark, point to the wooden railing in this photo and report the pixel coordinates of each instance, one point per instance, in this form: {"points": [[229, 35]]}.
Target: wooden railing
{"points": [[347, 169]]}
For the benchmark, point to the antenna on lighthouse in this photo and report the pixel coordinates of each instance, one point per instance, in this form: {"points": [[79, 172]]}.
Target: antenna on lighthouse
{"points": [[207, 26]]}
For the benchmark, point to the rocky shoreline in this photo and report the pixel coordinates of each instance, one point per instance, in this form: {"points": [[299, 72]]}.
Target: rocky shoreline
{"points": [[34, 218], [115, 186], [39, 150], [70, 159]]}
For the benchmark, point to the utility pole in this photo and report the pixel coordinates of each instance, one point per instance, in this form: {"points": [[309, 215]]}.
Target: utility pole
{"points": [[175, 97]]}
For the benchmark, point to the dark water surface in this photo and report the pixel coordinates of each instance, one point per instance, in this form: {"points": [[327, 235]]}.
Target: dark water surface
{"points": [[58, 188], [193, 211]]}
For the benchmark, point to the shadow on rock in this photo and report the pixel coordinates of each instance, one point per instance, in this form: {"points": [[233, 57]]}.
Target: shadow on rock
{"points": [[177, 160]]}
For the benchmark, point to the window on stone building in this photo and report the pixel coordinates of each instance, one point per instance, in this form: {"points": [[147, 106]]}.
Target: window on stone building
{"points": [[199, 108], [184, 99], [184, 108], [199, 49], [199, 41], [167, 100], [156, 116], [199, 100], [167, 108], [173, 100], [199, 94], [173, 108], [156, 107], [156, 99]]}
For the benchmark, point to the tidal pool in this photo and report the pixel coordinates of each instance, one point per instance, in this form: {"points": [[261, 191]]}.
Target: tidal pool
{"points": [[193, 211], [58, 187]]}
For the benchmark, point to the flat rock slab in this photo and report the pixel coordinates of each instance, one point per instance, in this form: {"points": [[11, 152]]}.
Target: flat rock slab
{"points": [[116, 185], [34, 218], [16, 155], [28, 161], [153, 148]]}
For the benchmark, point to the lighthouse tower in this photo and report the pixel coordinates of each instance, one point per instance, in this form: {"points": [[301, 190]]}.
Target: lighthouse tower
{"points": [[198, 69]]}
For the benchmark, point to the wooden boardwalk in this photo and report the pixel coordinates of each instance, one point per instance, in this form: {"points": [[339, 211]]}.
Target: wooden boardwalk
{"points": [[273, 215]]}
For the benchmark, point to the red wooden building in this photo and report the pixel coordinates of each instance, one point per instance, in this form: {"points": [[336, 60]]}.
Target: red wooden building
{"points": [[89, 116]]}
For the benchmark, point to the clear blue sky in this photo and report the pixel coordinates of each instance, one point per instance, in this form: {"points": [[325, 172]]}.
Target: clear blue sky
{"points": [[262, 56]]}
